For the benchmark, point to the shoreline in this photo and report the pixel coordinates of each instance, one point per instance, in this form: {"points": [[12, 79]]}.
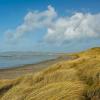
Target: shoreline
{"points": [[25, 65], [12, 73]]}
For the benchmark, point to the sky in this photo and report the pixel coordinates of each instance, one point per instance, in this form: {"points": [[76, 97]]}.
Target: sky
{"points": [[49, 25]]}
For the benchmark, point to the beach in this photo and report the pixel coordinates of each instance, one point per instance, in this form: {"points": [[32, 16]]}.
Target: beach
{"points": [[70, 76], [14, 72]]}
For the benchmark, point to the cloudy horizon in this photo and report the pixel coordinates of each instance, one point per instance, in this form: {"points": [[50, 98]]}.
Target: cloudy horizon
{"points": [[49, 30]]}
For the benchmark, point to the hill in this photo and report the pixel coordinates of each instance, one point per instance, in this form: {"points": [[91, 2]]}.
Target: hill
{"points": [[74, 79]]}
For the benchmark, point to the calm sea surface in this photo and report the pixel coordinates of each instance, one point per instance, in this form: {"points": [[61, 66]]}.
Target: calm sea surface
{"points": [[8, 60]]}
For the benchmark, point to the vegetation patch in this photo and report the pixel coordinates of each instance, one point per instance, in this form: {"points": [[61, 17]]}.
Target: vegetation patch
{"points": [[74, 79]]}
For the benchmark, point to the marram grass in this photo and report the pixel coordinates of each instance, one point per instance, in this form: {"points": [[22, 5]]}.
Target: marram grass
{"points": [[75, 79]]}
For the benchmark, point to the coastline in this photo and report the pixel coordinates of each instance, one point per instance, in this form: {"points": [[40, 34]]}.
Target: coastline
{"points": [[14, 72]]}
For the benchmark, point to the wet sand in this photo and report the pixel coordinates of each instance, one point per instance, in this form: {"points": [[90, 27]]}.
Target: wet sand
{"points": [[14, 72]]}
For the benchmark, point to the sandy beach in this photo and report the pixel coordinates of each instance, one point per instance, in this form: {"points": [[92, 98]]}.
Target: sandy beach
{"points": [[11, 73]]}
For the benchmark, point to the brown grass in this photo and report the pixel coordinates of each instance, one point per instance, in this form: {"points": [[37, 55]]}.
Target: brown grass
{"points": [[75, 79]]}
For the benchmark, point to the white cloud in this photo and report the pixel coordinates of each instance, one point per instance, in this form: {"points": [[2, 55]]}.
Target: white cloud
{"points": [[32, 21], [59, 29], [77, 26]]}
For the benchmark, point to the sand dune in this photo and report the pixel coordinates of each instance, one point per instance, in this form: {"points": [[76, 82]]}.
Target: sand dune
{"points": [[74, 79]]}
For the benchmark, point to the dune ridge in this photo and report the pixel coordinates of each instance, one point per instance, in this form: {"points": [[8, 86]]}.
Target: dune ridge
{"points": [[74, 79]]}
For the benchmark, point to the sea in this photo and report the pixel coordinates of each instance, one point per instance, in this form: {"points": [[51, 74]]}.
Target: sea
{"points": [[15, 59]]}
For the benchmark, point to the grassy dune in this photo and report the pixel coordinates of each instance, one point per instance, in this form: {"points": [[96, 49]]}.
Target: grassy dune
{"points": [[75, 79]]}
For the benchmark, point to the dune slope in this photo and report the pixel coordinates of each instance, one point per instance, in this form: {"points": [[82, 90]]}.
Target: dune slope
{"points": [[75, 79]]}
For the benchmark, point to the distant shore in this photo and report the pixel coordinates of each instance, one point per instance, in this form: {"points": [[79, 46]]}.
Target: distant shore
{"points": [[10, 73]]}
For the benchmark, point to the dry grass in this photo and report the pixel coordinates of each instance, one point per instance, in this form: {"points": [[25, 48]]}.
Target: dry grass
{"points": [[75, 79]]}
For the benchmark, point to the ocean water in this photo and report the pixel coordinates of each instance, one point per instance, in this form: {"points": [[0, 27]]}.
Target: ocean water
{"points": [[15, 59]]}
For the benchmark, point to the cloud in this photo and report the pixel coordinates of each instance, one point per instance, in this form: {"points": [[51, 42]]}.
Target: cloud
{"points": [[59, 30], [76, 27], [32, 21]]}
